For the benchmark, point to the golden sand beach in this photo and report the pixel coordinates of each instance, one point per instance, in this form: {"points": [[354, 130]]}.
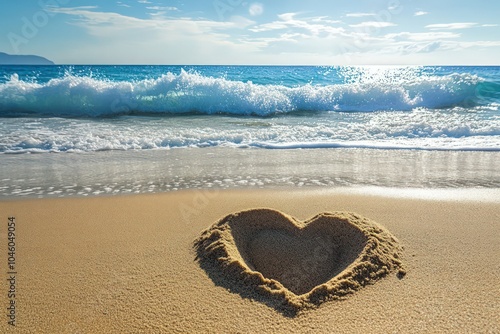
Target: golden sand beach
{"points": [[127, 264]]}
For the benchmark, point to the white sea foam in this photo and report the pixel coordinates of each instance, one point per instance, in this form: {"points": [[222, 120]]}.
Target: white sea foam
{"points": [[405, 108], [422, 129], [187, 92]]}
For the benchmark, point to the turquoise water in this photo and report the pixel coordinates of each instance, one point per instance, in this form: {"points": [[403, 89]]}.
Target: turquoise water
{"points": [[105, 130], [106, 108]]}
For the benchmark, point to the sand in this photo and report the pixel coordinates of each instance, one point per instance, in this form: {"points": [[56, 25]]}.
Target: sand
{"points": [[128, 265], [290, 265]]}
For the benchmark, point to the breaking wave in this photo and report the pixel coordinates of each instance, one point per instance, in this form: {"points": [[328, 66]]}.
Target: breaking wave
{"points": [[191, 92]]}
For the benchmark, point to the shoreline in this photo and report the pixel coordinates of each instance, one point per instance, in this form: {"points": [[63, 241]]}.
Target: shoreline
{"points": [[129, 172], [452, 195], [126, 264]]}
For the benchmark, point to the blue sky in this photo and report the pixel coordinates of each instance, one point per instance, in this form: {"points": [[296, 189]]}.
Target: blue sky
{"points": [[342, 32]]}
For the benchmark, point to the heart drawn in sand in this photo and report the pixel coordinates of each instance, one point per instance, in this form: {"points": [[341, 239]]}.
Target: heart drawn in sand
{"points": [[292, 265], [301, 258]]}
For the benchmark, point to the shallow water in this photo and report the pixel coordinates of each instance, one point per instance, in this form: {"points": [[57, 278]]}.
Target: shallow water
{"points": [[151, 171]]}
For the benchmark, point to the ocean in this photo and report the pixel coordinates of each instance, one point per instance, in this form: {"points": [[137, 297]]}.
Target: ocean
{"points": [[91, 130]]}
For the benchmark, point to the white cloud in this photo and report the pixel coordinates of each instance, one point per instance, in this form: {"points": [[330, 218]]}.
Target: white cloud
{"points": [[431, 47], [359, 14], [451, 26], [420, 13], [277, 25], [161, 8], [475, 44], [457, 46], [119, 3], [324, 19], [489, 25], [115, 38], [55, 9], [158, 40], [422, 36], [103, 23], [143, 1], [373, 24], [314, 26], [161, 11], [256, 9], [287, 16], [406, 49], [241, 22]]}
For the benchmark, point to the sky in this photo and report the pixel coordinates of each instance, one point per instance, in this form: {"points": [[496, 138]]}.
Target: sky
{"points": [[247, 32]]}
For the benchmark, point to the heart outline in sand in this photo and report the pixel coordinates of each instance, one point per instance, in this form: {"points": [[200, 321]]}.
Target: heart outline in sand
{"points": [[293, 265]]}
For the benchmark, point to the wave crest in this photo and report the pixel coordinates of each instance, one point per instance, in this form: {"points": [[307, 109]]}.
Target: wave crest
{"points": [[191, 92]]}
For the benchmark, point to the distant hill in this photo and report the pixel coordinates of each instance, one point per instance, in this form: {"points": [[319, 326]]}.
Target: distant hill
{"points": [[6, 59]]}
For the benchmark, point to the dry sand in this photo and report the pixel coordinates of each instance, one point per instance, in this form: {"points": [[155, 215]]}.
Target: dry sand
{"points": [[127, 265], [292, 266]]}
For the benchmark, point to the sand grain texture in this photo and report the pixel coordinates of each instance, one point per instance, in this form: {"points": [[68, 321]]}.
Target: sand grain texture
{"points": [[293, 265], [126, 265]]}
